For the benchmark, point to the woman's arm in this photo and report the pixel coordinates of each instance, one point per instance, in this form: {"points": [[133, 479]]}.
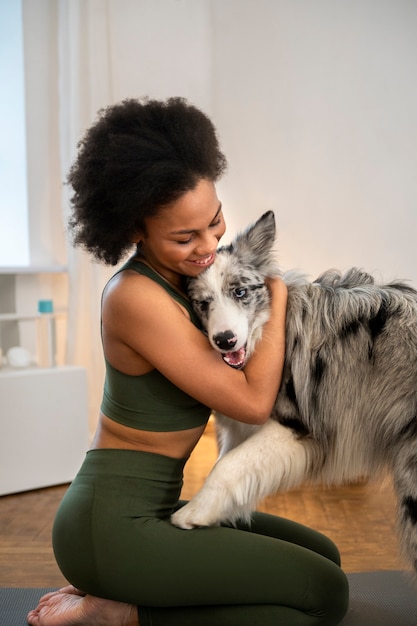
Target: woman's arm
{"points": [[143, 324]]}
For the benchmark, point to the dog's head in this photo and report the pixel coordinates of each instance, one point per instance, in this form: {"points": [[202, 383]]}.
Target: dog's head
{"points": [[231, 297]]}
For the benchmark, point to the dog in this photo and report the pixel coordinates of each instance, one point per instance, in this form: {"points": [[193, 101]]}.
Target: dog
{"points": [[347, 403]]}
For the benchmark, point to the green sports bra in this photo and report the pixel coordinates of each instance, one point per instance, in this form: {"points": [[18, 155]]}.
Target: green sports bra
{"points": [[150, 401]]}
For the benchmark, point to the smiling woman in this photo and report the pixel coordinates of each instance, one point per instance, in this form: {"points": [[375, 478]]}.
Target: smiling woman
{"points": [[146, 174]]}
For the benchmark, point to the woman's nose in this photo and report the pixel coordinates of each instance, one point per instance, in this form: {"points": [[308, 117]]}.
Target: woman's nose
{"points": [[207, 244]]}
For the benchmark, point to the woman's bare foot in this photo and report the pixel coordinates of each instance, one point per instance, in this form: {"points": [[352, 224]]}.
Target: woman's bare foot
{"points": [[70, 607]]}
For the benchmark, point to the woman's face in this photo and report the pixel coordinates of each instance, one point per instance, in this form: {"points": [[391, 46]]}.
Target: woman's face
{"points": [[182, 239]]}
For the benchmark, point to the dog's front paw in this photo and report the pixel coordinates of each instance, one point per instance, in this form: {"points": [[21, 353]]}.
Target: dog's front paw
{"points": [[192, 515]]}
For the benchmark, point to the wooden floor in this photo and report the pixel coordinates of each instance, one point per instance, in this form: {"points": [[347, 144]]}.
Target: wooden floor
{"points": [[359, 518]]}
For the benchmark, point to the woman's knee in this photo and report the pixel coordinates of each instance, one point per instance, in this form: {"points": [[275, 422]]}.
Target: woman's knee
{"points": [[332, 594]]}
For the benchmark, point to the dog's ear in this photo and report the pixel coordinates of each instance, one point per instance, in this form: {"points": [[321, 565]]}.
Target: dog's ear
{"points": [[255, 243]]}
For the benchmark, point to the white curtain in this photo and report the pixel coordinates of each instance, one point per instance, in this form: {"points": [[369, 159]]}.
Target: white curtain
{"points": [[85, 86]]}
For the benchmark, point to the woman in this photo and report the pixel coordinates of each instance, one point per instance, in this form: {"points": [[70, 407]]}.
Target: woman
{"points": [[145, 175]]}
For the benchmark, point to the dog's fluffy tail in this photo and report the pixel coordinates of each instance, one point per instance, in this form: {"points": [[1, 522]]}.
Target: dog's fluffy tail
{"points": [[405, 483]]}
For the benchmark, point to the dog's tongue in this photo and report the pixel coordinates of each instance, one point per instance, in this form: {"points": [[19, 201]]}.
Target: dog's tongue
{"points": [[235, 359]]}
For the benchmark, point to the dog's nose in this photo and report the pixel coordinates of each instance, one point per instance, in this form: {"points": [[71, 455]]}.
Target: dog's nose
{"points": [[226, 340]]}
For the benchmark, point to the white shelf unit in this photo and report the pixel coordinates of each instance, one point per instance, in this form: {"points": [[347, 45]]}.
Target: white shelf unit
{"points": [[43, 411], [20, 290], [43, 426]]}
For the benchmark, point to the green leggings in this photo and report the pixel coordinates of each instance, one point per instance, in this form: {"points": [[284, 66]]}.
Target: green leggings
{"points": [[112, 538]]}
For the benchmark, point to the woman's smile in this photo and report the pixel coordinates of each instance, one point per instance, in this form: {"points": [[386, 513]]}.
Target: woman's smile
{"points": [[205, 261]]}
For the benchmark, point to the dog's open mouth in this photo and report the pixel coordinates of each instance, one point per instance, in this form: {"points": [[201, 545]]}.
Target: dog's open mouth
{"points": [[235, 359]]}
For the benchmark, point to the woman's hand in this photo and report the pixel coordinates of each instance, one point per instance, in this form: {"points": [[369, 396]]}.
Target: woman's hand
{"points": [[278, 290]]}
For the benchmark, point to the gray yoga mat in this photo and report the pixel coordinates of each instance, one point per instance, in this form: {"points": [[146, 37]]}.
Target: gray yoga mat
{"points": [[386, 598], [15, 604]]}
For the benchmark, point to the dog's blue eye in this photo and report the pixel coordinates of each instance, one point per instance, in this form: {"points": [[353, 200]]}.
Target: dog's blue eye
{"points": [[240, 292]]}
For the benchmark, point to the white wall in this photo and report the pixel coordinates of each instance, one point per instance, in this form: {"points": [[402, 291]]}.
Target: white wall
{"points": [[161, 48], [316, 105]]}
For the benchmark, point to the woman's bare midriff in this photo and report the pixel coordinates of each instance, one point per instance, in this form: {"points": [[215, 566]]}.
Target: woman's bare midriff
{"points": [[177, 444]]}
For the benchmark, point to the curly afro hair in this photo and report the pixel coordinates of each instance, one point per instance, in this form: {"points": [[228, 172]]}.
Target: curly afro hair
{"points": [[137, 157]]}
